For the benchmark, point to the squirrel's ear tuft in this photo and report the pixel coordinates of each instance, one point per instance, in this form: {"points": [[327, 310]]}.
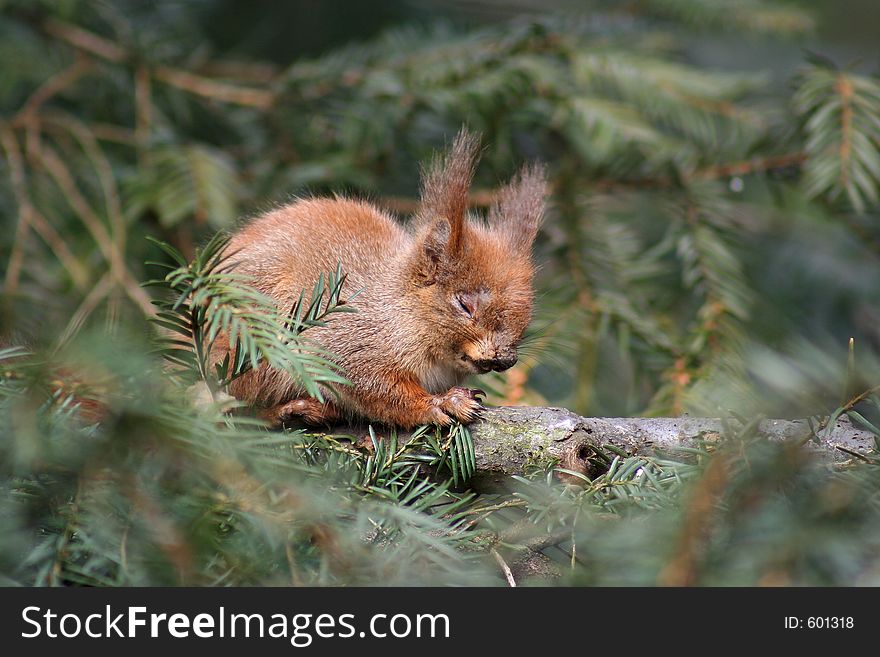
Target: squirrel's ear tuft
{"points": [[446, 184], [519, 209]]}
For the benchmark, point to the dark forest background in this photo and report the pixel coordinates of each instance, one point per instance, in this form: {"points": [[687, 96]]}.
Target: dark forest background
{"points": [[712, 247]]}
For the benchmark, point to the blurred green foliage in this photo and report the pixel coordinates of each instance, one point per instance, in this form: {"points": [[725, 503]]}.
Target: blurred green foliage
{"points": [[711, 246]]}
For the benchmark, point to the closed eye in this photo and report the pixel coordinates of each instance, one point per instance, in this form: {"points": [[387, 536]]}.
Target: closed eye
{"points": [[465, 306]]}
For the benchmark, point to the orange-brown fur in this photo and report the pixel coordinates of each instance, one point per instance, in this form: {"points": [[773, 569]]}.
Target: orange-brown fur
{"points": [[410, 343]]}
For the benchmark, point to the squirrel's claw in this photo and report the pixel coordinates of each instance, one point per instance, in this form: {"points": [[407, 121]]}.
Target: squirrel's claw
{"points": [[477, 394], [462, 404]]}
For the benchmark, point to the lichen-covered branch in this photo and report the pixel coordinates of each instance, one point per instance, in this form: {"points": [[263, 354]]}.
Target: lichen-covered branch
{"points": [[518, 440], [514, 439]]}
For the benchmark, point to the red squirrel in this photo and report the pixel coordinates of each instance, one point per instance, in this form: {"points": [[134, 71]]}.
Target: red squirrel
{"points": [[443, 298]]}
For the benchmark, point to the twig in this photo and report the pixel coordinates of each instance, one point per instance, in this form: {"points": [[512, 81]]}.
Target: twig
{"points": [[196, 84], [257, 71], [85, 40], [62, 176], [123, 550], [724, 108], [494, 507], [64, 179], [208, 88], [844, 87], [78, 273], [30, 218], [54, 85], [508, 574], [848, 406], [746, 167], [862, 396], [103, 168], [25, 209], [115, 133], [861, 457], [143, 111], [484, 512]]}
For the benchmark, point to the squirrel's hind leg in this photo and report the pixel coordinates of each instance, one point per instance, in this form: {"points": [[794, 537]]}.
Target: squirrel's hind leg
{"points": [[307, 410]]}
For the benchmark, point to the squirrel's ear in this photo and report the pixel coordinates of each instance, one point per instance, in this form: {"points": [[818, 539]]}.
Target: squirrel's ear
{"points": [[446, 184], [434, 251], [519, 209]]}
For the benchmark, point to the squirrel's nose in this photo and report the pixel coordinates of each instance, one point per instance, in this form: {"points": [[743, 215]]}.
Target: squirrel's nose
{"points": [[503, 363]]}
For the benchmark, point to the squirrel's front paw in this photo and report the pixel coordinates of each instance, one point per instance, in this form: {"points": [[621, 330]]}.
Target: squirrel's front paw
{"points": [[462, 404]]}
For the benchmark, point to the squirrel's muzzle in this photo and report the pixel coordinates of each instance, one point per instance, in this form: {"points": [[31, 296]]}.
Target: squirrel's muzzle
{"points": [[496, 364]]}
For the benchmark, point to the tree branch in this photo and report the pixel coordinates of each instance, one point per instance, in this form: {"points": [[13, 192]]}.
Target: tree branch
{"points": [[199, 85], [515, 440]]}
